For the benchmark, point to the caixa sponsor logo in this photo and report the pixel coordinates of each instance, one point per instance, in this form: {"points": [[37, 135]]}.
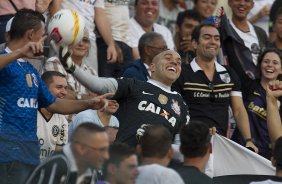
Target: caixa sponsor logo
{"points": [[27, 103]]}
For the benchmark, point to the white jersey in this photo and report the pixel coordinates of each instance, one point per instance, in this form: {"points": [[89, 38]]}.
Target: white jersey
{"points": [[51, 133], [136, 31]]}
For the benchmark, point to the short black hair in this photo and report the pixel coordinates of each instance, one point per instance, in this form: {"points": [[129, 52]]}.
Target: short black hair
{"points": [[187, 14], [197, 30], [156, 141], [24, 20], [84, 129], [117, 153], [195, 138], [47, 76]]}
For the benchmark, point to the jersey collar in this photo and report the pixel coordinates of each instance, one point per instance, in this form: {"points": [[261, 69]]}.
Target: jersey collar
{"points": [[8, 50], [195, 67]]}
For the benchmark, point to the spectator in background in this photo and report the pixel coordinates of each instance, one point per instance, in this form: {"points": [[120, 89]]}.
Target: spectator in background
{"points": [[270, 67], [121, 167], [146, 15], [156, 152], [94, 15], [185, 23], [103, 118], [242, 42], [169, 9], [259, 14], [272, 17], [52, 129], [196, 147], [79, 51], [205, 8], [277, 29], [209, 88], [150, 44], [118, 15]]}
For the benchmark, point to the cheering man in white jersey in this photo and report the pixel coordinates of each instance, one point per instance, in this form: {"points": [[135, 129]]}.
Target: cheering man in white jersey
{"points": [[142, 103]]}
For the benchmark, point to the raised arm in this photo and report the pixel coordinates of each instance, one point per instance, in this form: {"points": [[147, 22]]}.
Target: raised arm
{"points": [[93, 83], [273, 91]]}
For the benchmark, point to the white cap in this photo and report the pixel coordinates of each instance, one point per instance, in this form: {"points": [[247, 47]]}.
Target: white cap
{"points": [[8, 25]]}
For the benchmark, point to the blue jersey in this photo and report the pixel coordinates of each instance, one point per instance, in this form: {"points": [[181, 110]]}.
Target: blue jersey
{"points": [[22, 92]]}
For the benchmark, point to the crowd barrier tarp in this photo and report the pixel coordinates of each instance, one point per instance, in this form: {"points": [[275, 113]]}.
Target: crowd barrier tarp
{"points": [[230, 158]]}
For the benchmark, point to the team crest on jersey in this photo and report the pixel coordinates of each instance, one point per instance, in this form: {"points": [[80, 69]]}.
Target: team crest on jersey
{"points": [[225, 77], [35, 81], [163, 99], [175, 107], [55, 130]]}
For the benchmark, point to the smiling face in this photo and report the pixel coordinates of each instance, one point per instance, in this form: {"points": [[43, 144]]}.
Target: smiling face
{"points": [[166, 67], [240, 8], [205, 7], [58, 86], [146, 12], [208, 44], [270, 66], [81, 49]]}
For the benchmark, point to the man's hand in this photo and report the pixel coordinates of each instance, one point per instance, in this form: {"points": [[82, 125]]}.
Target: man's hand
{"points": [[101, 102], [119, 54], [186, 44], [111, 53], [32, 50], [65, 59], [250, 145]]}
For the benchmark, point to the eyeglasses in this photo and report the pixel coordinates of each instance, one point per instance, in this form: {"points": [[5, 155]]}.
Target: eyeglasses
{"points": [[102, 150], [159, 48], [212, 95]]}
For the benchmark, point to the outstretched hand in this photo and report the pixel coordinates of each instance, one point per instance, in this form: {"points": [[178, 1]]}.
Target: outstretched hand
{"points": [[101, 102]]}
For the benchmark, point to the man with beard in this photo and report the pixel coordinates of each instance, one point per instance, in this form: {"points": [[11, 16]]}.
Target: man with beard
{"points": [[209, 88]]}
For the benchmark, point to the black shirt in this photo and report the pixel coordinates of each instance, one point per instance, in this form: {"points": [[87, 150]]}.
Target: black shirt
{"points": [[145, 103]]}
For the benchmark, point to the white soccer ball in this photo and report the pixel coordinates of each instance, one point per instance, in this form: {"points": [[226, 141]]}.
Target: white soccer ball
{"points": [[66, 27]]}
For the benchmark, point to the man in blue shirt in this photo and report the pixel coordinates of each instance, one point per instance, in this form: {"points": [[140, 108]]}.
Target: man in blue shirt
{"points": [[22, 92]]}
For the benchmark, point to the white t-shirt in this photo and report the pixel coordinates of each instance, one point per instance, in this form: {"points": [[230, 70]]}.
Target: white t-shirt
{"points": [[90, 116], [168, 17], [118, 15], [86, 10], [157, 174], [262, 22], [51, 133], [136, 31], [250, 40]]}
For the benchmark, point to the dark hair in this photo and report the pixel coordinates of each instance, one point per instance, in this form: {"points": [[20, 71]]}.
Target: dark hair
{"points": [[187, 14], [117, 153], [263, 53], [197, 30], [147, 39], [277, 153], [195, 138], [156, 141], [47, 76], [278, 13], [24, 20], [84, 129]]}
